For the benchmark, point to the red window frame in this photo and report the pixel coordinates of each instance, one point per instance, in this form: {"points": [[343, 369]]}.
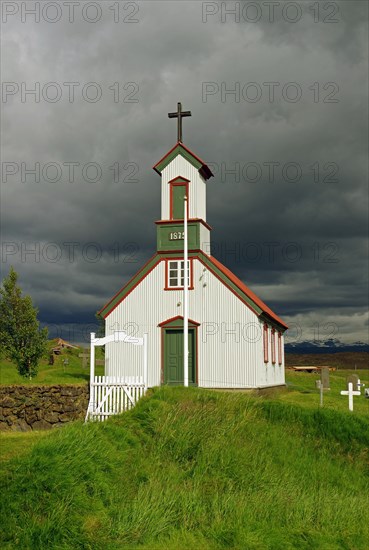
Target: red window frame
{"points": [[178, 259], [279, 348], [265, 343], [272, 341]]}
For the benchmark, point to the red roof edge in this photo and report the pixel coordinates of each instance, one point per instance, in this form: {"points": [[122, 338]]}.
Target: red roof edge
{"points": [[204, 167], [123, 287], [227, 272], [168, 153], [246, 290], [177, 318]]}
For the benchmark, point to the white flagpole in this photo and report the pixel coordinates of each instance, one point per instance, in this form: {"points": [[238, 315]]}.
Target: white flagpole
{"points": [[145, 373], [92, 400], [92, 358], [185, 298]]}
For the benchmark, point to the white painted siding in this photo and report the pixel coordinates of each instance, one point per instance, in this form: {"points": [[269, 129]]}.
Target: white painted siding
{"points": [[197, 188], [272, 374], [205, 239], [230, 344]]}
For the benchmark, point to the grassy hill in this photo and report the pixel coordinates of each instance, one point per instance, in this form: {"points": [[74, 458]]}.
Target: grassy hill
{"points": [[58, 373], [192, 469]]}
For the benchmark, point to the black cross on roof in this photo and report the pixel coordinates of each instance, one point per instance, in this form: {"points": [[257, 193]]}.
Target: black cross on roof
{"points": [[179, 115]]}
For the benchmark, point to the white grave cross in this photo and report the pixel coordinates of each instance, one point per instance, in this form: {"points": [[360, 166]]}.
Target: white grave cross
{"points": [[350, 392]]}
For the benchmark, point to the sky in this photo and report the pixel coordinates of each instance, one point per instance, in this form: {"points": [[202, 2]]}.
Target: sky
{"points": [[278, 95]]}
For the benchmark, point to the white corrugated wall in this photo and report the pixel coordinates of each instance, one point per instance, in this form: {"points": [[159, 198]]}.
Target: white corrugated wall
{"points": [[230, 344], [197, 188], [205, 239]]}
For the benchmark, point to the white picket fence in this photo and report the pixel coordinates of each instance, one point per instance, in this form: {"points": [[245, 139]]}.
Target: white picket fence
{"points": [[113, 395], [110, 395]]}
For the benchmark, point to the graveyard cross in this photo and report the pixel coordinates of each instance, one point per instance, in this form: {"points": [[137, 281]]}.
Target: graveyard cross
{"points": [[85, 357], [350, 392], [324, 377], [179, 114], [354, 379]]}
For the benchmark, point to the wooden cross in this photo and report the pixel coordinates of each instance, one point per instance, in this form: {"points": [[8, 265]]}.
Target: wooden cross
{"points": [[350, 392], [179, 114], [85, 358]]}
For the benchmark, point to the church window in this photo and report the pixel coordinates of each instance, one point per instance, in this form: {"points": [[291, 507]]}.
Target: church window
{"points": [[265, 342], [279, 348], [272, 340], [175, 274]]}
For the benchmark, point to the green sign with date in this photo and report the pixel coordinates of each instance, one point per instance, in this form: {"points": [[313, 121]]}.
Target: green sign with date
{"points": [[171, 236]]}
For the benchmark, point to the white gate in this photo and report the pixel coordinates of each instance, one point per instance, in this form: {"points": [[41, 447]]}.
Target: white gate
{"points": [[111, 395]]}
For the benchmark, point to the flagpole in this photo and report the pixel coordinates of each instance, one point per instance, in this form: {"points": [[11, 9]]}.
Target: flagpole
{"points": [[185, 297]]}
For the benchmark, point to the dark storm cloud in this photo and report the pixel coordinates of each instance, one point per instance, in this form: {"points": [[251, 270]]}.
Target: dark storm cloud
{"points": [[299, 243]]}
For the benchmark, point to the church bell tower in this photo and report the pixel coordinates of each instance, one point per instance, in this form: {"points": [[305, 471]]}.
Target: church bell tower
{"points": [[183, 174]]}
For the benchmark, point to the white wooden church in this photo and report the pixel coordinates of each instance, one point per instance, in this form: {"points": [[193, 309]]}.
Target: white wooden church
{"points": [[234, 339]]}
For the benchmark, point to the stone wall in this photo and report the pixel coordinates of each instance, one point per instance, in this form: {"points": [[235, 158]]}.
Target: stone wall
{"points": [[24, 408]]}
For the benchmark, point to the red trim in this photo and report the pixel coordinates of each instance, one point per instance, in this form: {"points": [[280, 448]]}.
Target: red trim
{"points": [[279, 348], [177, 258], [190, 250], [179, 184], [265, 343], [179, 179], [163, 222], [246, 290], [272, 341], [204, 166], [124, 286], [221, 267], [165, 156], [177, 318], [224, 283]]}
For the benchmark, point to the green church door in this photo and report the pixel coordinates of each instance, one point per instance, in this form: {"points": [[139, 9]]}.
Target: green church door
{"points": [[173, 357]]}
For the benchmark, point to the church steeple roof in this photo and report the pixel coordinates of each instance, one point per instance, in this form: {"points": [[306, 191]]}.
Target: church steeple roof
{"points": [[186, 153]]}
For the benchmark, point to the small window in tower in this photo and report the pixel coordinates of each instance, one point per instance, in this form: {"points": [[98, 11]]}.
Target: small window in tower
{"points": [[175, 274]]}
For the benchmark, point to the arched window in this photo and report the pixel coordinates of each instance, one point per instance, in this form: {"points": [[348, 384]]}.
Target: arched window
{"points": [[272, 341], [279, 348], [265, 342]]}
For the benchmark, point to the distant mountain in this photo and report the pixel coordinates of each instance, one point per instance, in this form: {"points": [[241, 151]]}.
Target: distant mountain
{"points": [[329, 346]]}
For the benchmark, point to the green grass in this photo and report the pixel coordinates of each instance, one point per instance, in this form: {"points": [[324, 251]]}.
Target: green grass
{"points": [[14, 444], [73, 373], [302, 390], [191, 469]]}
